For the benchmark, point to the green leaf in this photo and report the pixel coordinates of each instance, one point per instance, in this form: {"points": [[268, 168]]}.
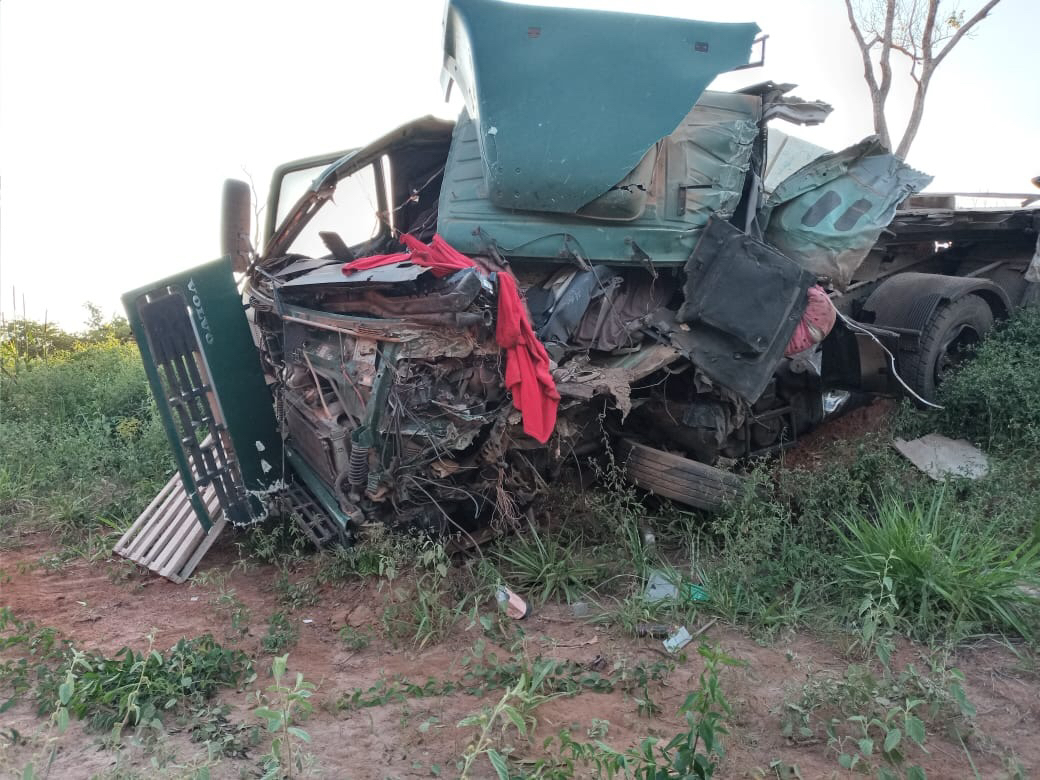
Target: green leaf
{"points": [[892, 739], [915, 773], [299, 733], [63, 720], [64, 693], [866, 746], [516, 719], [498, 761], [278, 666], [847, 760], [915, 729]]}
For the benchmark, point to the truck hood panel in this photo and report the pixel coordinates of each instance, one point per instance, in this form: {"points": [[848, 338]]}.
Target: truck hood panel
{"points": [[567, 102]]}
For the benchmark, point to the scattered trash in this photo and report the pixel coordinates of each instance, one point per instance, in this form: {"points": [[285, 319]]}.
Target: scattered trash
{"points": [[653, 630], [696, 592], [513, 605], [307, 620], [659, 588], [940, 457], [194, 598], [677, 640]]}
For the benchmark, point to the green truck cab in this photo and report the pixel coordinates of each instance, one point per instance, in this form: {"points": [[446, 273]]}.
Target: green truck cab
{"points": [[669, 252]]}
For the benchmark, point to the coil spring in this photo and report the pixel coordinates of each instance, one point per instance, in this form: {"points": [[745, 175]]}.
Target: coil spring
{"points": [[357, 468]]}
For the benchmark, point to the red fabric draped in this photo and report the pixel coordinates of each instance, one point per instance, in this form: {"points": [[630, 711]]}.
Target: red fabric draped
{"points": [[527, 363]]}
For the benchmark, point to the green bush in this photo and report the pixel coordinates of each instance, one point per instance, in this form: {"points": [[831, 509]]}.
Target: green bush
{"points": [[81, 443], [994, 398], [945, 578]]}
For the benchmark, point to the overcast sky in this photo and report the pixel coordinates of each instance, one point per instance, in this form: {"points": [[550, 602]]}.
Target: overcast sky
{"points": [[120, 120]]}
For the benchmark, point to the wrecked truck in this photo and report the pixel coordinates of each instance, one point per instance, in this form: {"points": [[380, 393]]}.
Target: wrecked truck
{"points": [[600, 252]]}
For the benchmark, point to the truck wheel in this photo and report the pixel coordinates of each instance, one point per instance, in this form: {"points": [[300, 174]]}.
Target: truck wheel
{"points": [[678, 478], [945, 342]]}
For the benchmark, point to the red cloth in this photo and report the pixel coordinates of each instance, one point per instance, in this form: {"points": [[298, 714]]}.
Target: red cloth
{"points": [[527, 363]]}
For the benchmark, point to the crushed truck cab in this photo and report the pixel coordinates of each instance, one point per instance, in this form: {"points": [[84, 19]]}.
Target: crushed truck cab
{"points": [[691, 306]]}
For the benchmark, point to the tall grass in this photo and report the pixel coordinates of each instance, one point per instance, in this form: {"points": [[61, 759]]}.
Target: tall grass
{"points": [[946, 579], [81, 445]]}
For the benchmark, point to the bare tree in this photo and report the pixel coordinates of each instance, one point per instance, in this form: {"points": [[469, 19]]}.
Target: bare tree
{"points": [[923, 32]]}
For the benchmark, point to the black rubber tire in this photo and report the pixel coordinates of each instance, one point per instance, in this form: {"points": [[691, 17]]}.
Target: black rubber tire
{"points": [[678, 478], [966, 318]]}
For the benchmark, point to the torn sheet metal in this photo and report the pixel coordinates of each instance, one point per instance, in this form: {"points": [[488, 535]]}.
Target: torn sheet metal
{"points": [[828, 215], [568, 102], [940, 457]]}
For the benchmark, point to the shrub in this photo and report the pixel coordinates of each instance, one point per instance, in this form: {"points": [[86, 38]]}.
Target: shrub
{"points": [[995, 397]]}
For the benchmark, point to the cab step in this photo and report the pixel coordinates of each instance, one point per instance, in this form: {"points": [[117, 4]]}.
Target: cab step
{"points": [[167, 538]]}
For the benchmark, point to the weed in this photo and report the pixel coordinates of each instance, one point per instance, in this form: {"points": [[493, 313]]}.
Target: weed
{"points": [[692, 754], [355, 638], [294, 595], [210, 725], [865, 717], [516, 709], [944, 578], [282, 634], [128, 689], [282, 708], [225, 600], [547, 566], [995, 397]]}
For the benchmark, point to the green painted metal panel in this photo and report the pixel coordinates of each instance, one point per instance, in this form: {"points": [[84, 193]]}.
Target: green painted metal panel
{"points": [[699, 169], [830, 213], [230, 359], [567, 102]]}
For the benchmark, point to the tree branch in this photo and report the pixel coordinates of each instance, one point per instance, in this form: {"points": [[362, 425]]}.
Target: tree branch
{"points": [[981, 14], [876, 99]]}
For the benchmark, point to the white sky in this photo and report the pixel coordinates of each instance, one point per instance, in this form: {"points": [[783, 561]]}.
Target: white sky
{"points": [[119, 120]]}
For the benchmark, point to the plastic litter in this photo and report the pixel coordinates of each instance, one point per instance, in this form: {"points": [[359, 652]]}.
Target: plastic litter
{"points": [[653, 630], [511, 604], [677, 640], [659, 588]]}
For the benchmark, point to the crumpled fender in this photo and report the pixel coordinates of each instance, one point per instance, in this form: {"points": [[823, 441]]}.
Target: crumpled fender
{"points": [[829, 214]]}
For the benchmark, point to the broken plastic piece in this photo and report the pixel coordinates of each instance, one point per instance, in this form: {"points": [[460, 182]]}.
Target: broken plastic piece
{"points": [[696, 592], [677, 640], [659, 588]]}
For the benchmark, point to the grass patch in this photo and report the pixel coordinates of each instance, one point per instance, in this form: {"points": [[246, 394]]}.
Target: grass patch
{"points": [[82, 449], [946, 579]]}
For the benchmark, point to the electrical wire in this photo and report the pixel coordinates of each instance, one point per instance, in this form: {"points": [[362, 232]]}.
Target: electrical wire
{"points": [[857, 328]]}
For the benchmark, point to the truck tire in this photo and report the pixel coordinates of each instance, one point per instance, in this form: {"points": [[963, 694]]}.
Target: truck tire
{"points": [[952, 329], [678, 478]]}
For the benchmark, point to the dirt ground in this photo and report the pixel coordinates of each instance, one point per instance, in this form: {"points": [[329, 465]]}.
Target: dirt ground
{"points": [[419, 737]]}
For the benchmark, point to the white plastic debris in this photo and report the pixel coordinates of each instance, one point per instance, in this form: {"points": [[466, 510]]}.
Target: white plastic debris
{"points": [[677, 640], [658, 588], [940, 457]]}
